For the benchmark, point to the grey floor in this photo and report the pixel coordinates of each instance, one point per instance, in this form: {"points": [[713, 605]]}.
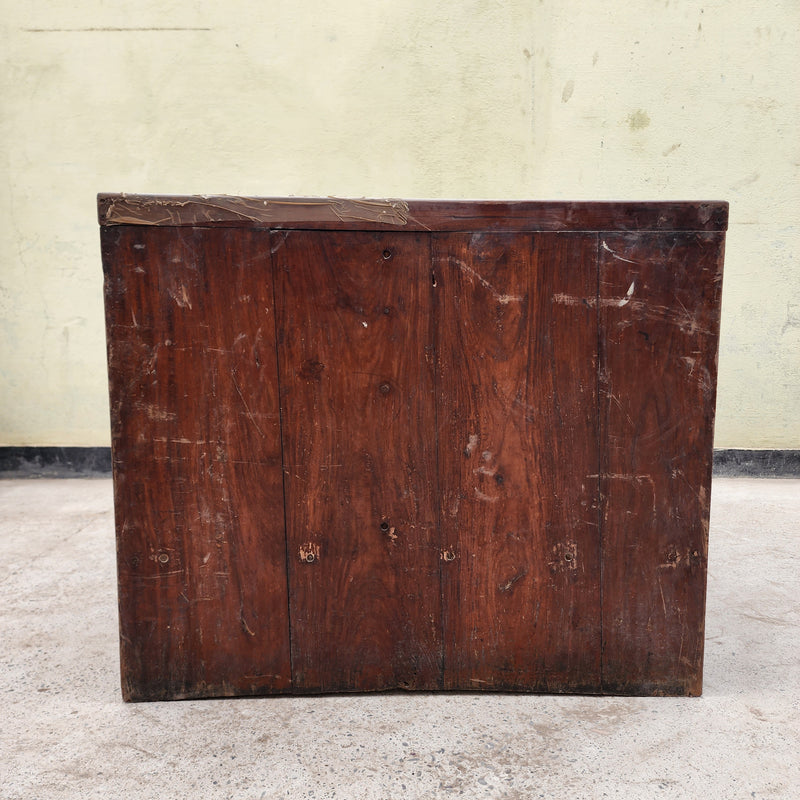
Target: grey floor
{"points": [[65, 732]]}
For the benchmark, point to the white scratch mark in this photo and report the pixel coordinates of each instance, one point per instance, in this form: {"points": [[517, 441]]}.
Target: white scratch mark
{"points": [[245, 625], [160, 575], [485, 497], [661, 590], [618, 257], [625, 300], [181, 297], [160, 415], [690, 362], [179, 440], [572, 300], [244, 403], [503, 299], [472, 443], [614, 399], [485, 471], [616, 476], [274, 249], [364, 324]]}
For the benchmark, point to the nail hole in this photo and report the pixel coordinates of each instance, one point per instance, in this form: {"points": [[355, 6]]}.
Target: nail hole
{"points": [[498, 479], [387, 254], [163, 558], [387, 310], [309, 557], [385, 388], [568, 556], [384, 526]]}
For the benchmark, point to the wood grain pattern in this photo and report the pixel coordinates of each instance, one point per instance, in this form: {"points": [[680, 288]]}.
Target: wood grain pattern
{"points": [[335, 213], [659, 309], [359, 432], [197, 463], [517, 445]]}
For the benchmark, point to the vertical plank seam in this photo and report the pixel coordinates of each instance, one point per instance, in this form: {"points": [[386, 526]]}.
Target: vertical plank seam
{"points": [[600, 462], [272, 270], [435, 312]]}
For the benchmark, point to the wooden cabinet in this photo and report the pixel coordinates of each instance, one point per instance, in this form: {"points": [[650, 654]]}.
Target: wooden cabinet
{"points": [[365, 445]]}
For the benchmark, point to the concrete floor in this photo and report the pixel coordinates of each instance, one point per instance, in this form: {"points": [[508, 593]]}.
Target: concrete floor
{"points": [[65, 732]]}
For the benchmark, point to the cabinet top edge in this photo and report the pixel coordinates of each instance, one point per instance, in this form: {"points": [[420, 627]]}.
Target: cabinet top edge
{"points": [[335, 213]]}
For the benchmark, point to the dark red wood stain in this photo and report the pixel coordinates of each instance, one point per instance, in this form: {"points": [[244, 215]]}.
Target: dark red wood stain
{"points": [[365, 445]]}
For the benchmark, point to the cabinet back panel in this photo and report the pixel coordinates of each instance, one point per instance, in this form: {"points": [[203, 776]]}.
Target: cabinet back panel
{"points": [[367, 444]]}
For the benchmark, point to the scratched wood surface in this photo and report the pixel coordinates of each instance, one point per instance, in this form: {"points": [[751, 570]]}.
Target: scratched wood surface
{"points": [[359, 439], [197, 463], [659, 311], [471, 457], [517, 444]]}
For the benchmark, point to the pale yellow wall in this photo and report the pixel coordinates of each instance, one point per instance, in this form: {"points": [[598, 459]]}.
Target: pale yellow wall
{"points": [[408, 98]]}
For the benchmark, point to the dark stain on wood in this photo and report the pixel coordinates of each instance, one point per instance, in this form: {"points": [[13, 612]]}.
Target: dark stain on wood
{"points": [[366, 445]]}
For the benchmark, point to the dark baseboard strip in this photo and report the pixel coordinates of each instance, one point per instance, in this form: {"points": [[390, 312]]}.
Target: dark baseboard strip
{"points": [[95, 462], [757, 463], [55, 462]]}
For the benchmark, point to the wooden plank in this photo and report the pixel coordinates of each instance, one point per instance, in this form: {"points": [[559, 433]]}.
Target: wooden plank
{"points": [[659, 309], [355, 329], [336, 213], [518, 444], [197, 463]]}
